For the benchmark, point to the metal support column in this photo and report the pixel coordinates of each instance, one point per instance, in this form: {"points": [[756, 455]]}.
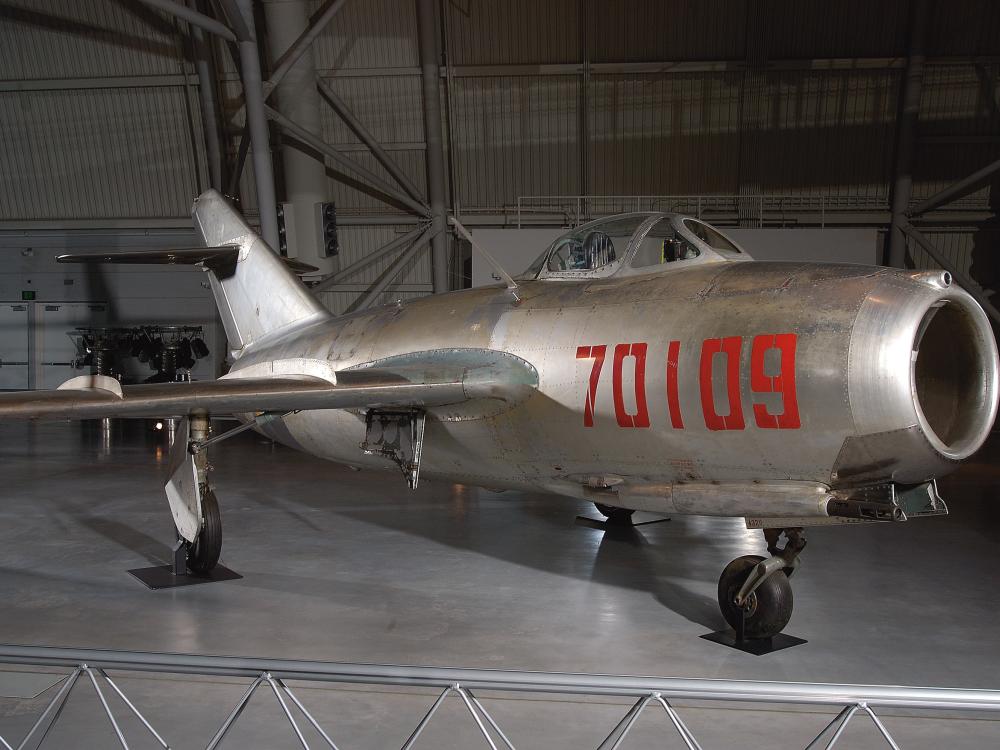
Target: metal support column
{"points": [[430, 70], [367, 260], [297, 48], [382, 282], [958, 190], [209, 104], [253, 94], [909, 106], [305, 178], [193, 17], [340, 107], [967, 283], [344, 163]]}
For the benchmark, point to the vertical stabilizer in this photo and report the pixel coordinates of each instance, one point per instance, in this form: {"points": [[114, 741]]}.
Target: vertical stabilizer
{"points": [[259, 296]]}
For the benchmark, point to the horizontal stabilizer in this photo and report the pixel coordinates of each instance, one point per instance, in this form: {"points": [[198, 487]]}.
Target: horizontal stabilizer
{"points": [[217, 258]]}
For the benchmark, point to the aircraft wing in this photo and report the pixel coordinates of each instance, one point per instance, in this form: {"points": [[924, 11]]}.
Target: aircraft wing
{"points": [[423, 380]]}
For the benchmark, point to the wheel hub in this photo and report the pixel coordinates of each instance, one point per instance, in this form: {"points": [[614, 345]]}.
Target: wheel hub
{"points": [[749, 606]]}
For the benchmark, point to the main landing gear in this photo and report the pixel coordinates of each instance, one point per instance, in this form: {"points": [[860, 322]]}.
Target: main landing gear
{"points": [[194, 508], [201, 545], [756, 598]]}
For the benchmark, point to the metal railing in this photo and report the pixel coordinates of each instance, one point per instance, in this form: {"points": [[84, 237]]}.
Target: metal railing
{"points": [[749, 210], [658, 692]]}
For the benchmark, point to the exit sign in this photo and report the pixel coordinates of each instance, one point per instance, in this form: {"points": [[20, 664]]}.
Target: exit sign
{"points": [[28, 296]]}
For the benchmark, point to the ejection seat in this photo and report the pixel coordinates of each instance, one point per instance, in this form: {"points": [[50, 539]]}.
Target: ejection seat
{"points": [[599, 250]]}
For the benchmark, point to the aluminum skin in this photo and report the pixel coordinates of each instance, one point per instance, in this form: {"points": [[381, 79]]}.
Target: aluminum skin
{"points": [[861, 421]]}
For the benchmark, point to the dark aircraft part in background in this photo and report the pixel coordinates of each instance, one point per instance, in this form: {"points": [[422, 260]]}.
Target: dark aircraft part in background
{"points": [[169, 350]]}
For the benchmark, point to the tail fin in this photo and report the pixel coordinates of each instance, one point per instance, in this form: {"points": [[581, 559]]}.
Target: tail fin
{"points": [[259, 295]]}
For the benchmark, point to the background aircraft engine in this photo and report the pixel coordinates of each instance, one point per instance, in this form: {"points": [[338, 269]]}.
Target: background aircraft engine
{"points": [[922, 380]]}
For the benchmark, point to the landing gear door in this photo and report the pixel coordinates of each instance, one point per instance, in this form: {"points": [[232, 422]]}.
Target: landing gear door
{"points": [[183, 489], [398, 436]]}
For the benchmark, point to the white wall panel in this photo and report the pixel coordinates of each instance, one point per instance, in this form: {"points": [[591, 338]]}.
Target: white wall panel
{"points": [[135, 295]]}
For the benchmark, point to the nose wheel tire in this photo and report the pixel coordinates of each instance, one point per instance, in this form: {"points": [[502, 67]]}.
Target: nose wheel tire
{"points": [[615, 516], [203, 554], [767, 610]]}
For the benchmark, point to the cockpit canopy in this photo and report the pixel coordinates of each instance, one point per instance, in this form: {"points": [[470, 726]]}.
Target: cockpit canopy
{"points": [[633, 244]]}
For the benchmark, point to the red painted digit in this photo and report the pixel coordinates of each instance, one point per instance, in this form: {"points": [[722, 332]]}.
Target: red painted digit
{"points": [[673, 402], [597, 354], [783, 382], [731, 346], [641, 416]]}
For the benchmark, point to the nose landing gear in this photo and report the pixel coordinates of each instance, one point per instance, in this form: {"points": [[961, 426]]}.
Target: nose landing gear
{"points": [[756, 598]]}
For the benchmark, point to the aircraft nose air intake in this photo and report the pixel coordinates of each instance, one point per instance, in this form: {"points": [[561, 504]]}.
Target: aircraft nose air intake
{"points": [[954, 377], [922, 379]]}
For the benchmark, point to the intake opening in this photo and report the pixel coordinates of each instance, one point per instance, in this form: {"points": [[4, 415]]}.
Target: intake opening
{"points": [[954, 379]]}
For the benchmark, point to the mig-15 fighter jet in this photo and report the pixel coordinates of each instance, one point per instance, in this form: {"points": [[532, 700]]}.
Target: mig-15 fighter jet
{"points": [[643, 362]]}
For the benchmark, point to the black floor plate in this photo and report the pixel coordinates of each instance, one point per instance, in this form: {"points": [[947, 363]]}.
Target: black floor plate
{"points": [[602, 523], [162, 577], [755, 646]]}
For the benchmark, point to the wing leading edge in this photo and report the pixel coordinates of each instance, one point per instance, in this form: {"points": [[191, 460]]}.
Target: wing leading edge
{"points": [[426, 380]]}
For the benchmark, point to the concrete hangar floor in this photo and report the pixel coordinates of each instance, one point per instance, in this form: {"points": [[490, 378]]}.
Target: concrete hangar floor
{"points": [[347, 566]]}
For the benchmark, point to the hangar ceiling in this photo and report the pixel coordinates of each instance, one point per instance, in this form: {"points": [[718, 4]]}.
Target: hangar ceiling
{"points": [[100, 123]]}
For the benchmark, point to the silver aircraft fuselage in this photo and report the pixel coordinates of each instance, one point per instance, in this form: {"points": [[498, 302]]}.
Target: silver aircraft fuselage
{"points": [[731, 372], [644, 362]]}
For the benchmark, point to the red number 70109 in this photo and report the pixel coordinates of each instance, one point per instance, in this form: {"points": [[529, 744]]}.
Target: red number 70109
{"points": [[729, 347]]}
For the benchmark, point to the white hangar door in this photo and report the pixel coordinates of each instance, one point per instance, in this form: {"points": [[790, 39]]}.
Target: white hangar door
{"points": [[15, 345], [55, 349]]}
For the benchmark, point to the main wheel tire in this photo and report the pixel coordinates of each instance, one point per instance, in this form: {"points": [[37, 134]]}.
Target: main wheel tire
{"points": [[203, 555], [616, 516], [768, 609]]}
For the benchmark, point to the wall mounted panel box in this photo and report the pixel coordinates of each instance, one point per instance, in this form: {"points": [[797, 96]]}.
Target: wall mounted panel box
{"points": [[327, 223]]}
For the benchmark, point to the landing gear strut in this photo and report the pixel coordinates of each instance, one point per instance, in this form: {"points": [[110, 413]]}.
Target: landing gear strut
{"points": [[755, 596], [203, 552]]}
